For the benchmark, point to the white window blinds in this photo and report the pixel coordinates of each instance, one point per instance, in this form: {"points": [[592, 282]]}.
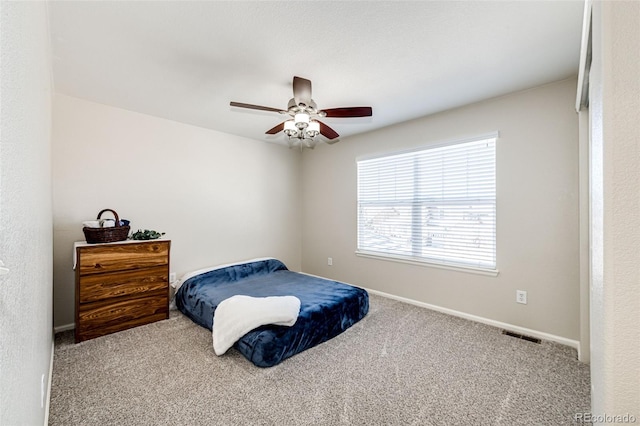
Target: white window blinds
{"points": [[436, 204]]}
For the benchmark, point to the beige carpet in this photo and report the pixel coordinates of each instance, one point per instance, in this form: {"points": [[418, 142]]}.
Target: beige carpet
{"points": [[401, 365]]}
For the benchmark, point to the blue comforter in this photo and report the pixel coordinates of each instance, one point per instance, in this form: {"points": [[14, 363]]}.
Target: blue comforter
{"points": [[327, 308]]}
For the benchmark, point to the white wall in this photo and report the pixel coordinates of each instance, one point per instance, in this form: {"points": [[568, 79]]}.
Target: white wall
{"points": [[537, 212], [25, 212], [615, 189], [218, 197]]}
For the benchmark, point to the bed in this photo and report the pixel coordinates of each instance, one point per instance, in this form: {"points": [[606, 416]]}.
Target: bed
{"points": [[327, 308]]}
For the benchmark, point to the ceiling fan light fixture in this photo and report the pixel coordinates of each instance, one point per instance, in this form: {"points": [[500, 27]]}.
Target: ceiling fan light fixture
{"points": [[302, 120], [313, 129], [290, 128]]}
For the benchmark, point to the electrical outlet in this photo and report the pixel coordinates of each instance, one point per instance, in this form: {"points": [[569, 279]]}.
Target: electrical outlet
{"points": [[521, 296], [330, 261], [172, 277]]}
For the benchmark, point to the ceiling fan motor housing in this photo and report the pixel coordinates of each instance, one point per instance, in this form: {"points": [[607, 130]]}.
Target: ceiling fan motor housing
{"points": [[293, 108]]}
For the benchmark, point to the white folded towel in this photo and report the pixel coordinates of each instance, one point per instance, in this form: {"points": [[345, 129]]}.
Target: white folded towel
{"points": [[236, 316], [91, 223]]}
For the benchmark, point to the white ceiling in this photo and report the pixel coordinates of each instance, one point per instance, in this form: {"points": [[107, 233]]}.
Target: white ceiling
{"points": [[186, 61]]}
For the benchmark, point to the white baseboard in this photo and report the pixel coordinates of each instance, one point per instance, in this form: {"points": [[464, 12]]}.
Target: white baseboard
{"points": [[65, 327], [510, 327], [48, 395]]}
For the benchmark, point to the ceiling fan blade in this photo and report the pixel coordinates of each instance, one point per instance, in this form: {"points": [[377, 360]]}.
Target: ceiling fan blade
{"points": [[328, 132], [258, 107], [302, 91], [348, 112], [276, 129]]}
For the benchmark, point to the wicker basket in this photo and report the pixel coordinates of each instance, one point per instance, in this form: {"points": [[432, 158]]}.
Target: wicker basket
{"points": [[106, 235]]}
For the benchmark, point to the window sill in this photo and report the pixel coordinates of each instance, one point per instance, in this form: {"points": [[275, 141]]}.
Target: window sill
{"points": [[429, 264]]}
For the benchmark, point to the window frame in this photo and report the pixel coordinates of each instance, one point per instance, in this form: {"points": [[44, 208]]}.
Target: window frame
{"points": [[422, 260]]}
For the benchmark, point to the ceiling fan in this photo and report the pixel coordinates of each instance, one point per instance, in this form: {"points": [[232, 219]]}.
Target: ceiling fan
{"points": [[304, 124]]}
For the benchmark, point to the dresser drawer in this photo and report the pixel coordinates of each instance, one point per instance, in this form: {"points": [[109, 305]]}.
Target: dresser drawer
{"points": [[137, 282], [122, 257], [100, 318]]}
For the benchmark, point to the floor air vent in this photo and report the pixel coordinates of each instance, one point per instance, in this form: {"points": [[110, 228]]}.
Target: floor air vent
{"points": [[521, 336]]}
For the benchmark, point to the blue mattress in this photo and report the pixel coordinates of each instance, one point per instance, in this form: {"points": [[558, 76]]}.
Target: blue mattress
{"points": [[327, 308]]}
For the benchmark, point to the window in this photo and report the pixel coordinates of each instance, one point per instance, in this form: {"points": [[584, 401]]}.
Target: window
{"points": [[433, 205]]}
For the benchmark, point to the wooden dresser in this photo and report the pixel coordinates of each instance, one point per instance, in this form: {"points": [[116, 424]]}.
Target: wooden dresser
{"points": [[120, 286]]}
